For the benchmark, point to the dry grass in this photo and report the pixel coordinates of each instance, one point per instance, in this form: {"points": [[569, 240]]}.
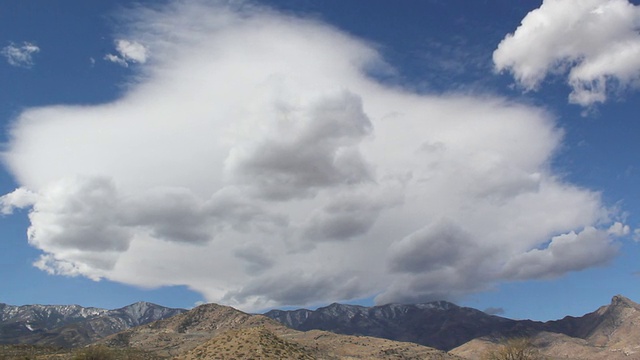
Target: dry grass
{"points": [[252, 343], [30, 352]]}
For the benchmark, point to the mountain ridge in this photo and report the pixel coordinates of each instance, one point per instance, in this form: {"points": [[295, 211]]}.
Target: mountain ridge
{"points": [[334, 331], [214, 331], [611, 332], [440, 324], [73, 325], [444, 325]]}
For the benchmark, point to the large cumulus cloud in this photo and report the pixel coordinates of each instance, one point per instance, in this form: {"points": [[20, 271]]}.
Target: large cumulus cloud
{"points": [[253, 160], [596, 41]]}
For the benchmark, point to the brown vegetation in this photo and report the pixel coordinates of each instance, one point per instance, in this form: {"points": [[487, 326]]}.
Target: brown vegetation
{"points": [[513, 349], [101, 352]]}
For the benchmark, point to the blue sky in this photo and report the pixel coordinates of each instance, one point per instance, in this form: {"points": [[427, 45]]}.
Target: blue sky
{"points": [[297, 153]]}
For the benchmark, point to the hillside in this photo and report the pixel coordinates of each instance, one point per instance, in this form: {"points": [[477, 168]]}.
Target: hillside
{"points": [[611, 332], [440, 324], [213, 331], [219, 332], [183, 332]]}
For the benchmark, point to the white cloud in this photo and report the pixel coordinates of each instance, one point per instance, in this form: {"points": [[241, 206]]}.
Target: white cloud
{"points": [[129, 52], [20, 56], [619, 229], [116, 59], [572, 251], [257, 163], [20, 198], [596, 41], [132, 51]]}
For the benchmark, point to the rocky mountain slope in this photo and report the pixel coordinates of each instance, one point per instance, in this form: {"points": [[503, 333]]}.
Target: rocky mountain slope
{"points": [[183, 332], [441, 324], [219, 332], [615, 324], [262, 343], [17, 322], [73, 325], [611, 332]]}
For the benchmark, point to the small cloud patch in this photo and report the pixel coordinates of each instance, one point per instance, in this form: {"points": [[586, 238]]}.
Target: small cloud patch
{"points": [[494, 311], [20, 55], [128, 52]]}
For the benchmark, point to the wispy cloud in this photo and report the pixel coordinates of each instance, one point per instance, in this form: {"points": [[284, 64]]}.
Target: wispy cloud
{"points": [[595, 41], [128, 52], [20, 55], [494, 311], [257, 163]]}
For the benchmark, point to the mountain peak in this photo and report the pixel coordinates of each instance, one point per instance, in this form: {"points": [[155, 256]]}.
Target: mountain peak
{"points": [[209, 307], [437, 305], [138, 305], [343, 306], [144, 303], [620, 300]]}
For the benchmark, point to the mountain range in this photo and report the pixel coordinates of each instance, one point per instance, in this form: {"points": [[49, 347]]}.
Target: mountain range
{"points": [[436, 330], [73, 325], [610, 332], [440, 324], [214, 331]]}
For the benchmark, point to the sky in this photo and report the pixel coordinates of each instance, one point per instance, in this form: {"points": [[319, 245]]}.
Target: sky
{"points": [[286, 154]]}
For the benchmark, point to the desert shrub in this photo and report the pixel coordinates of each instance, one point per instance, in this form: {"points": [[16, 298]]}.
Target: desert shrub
{"points": [[29, 352], [514, 349]]}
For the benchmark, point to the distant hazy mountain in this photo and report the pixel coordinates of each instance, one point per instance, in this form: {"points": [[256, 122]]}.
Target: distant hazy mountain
{"points": [[73, 325], [440, 324]]}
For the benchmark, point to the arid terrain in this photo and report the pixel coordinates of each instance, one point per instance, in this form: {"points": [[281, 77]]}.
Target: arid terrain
{"points": [[337, 331]]}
